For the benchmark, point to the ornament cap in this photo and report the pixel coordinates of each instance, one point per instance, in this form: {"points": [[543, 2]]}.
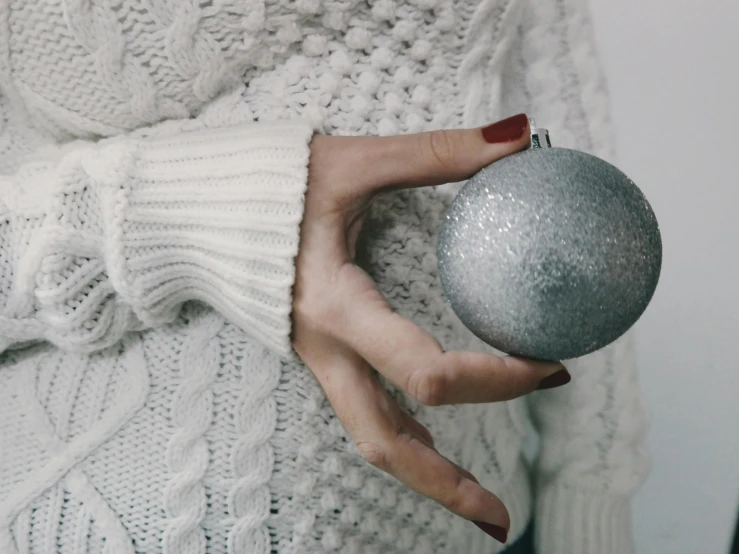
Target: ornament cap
{"points": [[539, 137]]}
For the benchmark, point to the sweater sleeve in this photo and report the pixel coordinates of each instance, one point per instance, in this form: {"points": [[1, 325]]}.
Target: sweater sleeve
{"points": [[592, 456], [104, 238]]}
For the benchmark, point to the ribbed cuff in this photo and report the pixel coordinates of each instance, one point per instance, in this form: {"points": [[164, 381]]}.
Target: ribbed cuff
{"points": [[214, 215], [570, 521]]}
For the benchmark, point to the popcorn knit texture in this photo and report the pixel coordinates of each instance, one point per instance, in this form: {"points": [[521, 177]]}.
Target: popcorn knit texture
{"points": [[153, 164]]}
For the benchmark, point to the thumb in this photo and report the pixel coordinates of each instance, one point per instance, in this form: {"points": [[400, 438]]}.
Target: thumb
{"points": [[443, 156]]}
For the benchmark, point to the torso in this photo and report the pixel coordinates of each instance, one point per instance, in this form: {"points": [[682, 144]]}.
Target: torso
{"points": [[248, 451]]}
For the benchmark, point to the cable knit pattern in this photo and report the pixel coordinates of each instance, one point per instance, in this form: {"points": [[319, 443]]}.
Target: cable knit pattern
{"points": [[153, 162], [253, 459], [187, 451], [46, 395]]}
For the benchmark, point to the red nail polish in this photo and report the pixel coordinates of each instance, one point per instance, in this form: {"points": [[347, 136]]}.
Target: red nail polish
{"points": [[562, 377], [495, 531], [507, 130]]}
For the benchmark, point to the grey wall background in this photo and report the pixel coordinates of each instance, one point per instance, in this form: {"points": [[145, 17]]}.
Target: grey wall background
{"points": [[674, 75]]}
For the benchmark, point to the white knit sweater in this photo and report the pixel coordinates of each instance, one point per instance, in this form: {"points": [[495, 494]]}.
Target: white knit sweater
{"points": [[153, 160]]}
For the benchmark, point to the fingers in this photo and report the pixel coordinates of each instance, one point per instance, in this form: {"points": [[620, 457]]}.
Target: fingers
{"points": [[413, 359], [391, 440], [442, 156], [422, 434]]}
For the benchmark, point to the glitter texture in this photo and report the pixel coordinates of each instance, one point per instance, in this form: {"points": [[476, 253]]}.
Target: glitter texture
{"points": [[549, 254]]}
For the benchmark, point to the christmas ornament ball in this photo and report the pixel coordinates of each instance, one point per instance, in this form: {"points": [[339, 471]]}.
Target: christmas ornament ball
{"points": [[549, 254]]}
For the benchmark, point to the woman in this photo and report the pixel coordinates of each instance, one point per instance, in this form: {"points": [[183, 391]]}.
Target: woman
{"points": [[187, 332]]}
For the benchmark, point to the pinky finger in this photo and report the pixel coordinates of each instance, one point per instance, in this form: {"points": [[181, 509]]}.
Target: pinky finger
{"points": [[391, 440]]}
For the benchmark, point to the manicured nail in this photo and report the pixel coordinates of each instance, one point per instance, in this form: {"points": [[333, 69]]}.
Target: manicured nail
{"points": [[507, 130], [495, 531], [562, 377]]}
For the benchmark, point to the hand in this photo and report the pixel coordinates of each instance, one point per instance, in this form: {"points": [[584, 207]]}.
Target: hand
{"points": [[343, 326]]}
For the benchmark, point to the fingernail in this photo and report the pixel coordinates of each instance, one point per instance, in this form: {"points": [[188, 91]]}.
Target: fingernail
{"points": [[507, 130], [495, 531], [562, 377]]}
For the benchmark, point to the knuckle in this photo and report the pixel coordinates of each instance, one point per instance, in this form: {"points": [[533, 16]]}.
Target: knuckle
{"points": [[339, 170], [454, 500], [427, 387], [440, 148], [374, 455]]}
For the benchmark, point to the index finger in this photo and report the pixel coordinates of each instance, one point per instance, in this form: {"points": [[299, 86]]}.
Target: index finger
{"points": [[440, 156]]}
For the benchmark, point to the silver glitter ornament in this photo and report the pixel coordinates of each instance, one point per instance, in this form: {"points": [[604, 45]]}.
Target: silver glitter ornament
{"points": [[550, 253]]}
